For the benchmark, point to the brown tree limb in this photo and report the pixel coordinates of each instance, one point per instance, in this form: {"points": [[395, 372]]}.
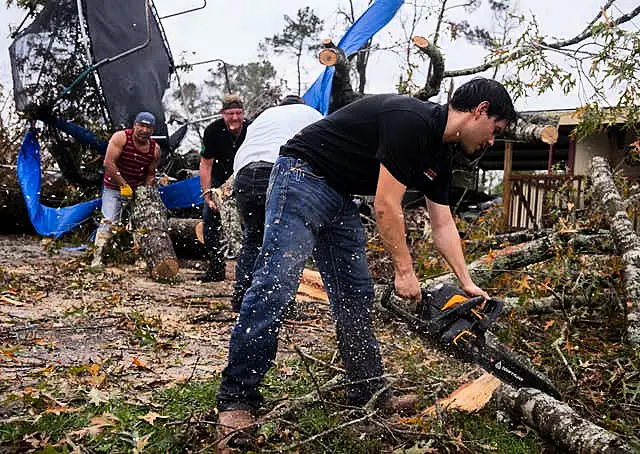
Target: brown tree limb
{"points": [[342, 92], [586, 33], [558, 422], [625, 238], [432, 87]]}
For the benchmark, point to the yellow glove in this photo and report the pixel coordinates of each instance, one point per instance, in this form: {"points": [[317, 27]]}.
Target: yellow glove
{"points": [[126, 191]]}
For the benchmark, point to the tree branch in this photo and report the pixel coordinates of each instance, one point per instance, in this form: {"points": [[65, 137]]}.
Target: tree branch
{"points": [[586, 33]]}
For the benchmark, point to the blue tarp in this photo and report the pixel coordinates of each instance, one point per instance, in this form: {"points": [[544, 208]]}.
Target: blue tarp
{"points": [[379, 13], [56, 221]]}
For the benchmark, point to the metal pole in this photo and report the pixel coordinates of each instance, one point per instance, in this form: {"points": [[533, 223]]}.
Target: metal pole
{"points": [[93, 66], [185, 11], [224, 68]]}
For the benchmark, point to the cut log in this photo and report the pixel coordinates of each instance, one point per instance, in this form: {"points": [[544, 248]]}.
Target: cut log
{"points": [[149, 216], [331, 55], [342, 92], [187, 239], [432, 87], [470, 397], [311, 287], [524, 131], [625, 239], [558, 422], [229, 218]]}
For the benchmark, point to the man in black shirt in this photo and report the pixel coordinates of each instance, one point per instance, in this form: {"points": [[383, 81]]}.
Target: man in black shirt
{"points": [[221, 140], [380, 145]]}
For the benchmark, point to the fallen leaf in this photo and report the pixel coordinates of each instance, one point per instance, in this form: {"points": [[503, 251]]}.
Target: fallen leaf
{"points": [[93, 369], [99, 423], [139, 363], [152, 416], [97, 397], [286, 370], [141, 443], [549, 324]]}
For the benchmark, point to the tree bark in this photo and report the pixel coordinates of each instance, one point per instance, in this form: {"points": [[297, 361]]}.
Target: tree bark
{"points": [[342, 92], [229, 217], [186, 236], [487, 268], [523, 130], [149, 217], [557, 421], [432, 87], [625, 239]]}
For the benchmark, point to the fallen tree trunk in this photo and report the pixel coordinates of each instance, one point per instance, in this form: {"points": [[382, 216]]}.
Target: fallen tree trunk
{"points": [[522, 130], [625, 239], [488, 267], [558, 422], [149, 217], [187, 238], [549, 304]]}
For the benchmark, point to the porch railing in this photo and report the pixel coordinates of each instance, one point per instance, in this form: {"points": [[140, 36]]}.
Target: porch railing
{"points": [[533, 198]]}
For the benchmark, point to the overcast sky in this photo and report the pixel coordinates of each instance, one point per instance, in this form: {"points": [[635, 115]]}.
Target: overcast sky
{"points": [[232, 30]]}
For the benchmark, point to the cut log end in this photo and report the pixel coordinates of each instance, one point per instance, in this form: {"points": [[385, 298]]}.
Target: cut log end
{"points": [[326, 42], [549, 135], [166, 269], [420, 41], [328, 57], [200, 231]]}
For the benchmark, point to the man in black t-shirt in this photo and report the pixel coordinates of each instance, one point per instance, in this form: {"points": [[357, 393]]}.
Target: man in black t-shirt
{"points": [[380, 145], [221, 140]]}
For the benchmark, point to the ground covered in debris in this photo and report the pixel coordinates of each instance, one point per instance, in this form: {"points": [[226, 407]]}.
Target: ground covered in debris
{"points": [[113, 361]]}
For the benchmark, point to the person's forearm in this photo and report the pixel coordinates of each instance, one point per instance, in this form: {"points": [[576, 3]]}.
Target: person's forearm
{"points": [[390, 221], [113, 174], [447, 241], [205, 180]]}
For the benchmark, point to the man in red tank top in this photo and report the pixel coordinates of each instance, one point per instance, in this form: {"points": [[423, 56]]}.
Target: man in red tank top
{"points": [[131, 161]]}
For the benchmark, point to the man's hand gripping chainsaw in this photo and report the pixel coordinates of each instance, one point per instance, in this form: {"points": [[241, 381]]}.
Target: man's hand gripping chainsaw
{"points": [[456, 323]]}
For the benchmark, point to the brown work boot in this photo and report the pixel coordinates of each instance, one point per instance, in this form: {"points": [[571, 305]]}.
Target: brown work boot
{"points": [[406, 404], [234, 430]]}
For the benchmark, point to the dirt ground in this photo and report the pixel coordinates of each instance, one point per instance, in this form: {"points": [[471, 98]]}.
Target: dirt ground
{"points": [[56, 316]]}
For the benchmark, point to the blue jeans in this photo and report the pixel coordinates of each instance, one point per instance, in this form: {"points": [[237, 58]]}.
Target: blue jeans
{"points": [[212, 232], [250, 190], [304, 215], [111, 209]]}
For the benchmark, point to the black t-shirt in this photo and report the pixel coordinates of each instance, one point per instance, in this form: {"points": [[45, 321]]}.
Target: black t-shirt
{"points": [[400, 132], [221, 146]]}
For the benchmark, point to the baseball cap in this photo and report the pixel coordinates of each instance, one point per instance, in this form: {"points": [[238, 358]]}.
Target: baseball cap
{"points": [[232, 102], [146, 118]]}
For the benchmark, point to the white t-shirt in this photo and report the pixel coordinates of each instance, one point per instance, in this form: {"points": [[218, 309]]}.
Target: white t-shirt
{"points": [[270, 130]]}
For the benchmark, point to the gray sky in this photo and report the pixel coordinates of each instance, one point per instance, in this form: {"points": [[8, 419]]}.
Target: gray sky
{"points": [[231, 30]]}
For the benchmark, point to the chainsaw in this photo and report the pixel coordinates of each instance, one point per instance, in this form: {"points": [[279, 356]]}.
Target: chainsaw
{"points": [[452, 321]]}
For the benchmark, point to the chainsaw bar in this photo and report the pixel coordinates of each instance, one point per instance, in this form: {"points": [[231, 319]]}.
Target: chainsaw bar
{"points": [[486, 351]]}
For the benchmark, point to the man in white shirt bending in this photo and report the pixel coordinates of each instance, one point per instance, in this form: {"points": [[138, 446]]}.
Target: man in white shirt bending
{"points": [[251, 168]]}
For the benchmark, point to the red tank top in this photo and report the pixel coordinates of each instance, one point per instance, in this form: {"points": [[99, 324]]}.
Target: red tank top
{"points": [[132, 163]]}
